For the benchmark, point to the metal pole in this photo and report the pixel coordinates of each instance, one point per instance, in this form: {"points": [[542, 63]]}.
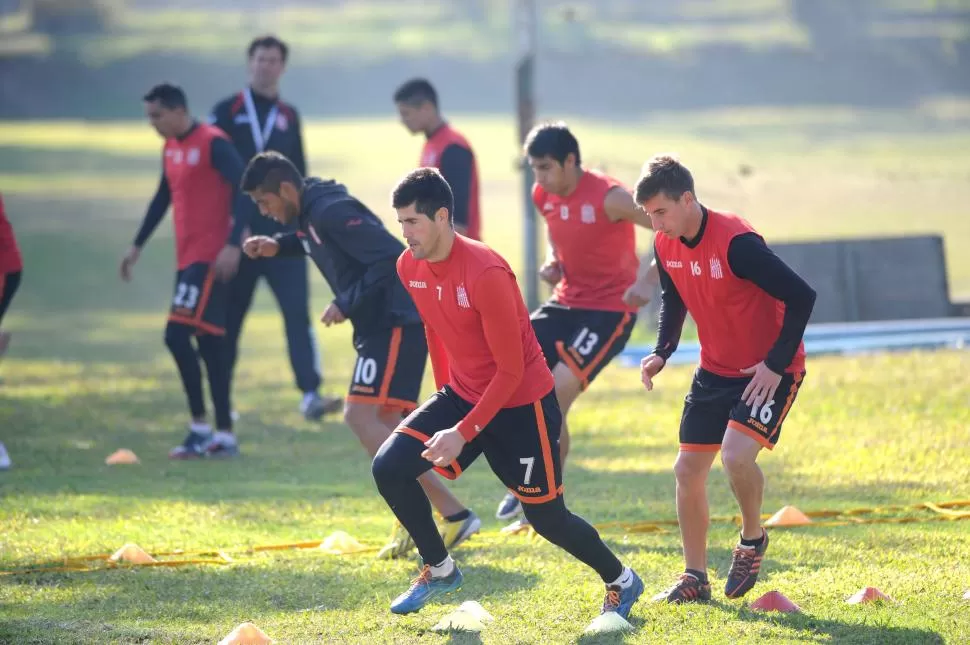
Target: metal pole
{"points": [[526, 24]]}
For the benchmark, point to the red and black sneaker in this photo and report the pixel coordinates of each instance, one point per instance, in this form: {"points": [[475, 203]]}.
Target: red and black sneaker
{"points": [[688, 588], [745, 567]]}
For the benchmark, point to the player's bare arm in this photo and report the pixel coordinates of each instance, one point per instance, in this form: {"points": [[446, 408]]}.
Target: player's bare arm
{"points": [[620, 206], [550, 271]]}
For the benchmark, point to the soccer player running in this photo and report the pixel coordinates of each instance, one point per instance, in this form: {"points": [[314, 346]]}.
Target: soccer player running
{"points": [[496, 398], [445, 149], [200, 176], [599, 284], [256, 120], [11, 267], [356, 255], [751, 310]]}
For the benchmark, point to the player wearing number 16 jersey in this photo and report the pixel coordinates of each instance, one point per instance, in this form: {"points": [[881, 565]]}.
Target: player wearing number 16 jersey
{"points": [[496, 398], [200, 177], [751, 310], [356, 255]]}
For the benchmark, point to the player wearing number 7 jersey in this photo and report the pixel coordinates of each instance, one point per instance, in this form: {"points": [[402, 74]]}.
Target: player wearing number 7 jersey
{"points": [[496, 398], [751, 310], [356, 254]]}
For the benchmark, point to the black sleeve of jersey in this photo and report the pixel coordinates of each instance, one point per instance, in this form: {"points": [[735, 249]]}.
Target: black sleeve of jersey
{"points": [[673, 312], [299, 157], [290, 244], [751, 259], [156, 211], [227, 161], [362, 236], [456, 168]]}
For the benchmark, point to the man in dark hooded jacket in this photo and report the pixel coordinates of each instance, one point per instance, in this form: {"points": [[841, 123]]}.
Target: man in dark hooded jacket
{"points": [[357, 256]]}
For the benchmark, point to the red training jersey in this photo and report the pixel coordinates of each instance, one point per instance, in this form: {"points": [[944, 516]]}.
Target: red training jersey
{"points": [[597, 257], [434, 147], [10, 260], [201, 196], [737, 321], [480, 338]]}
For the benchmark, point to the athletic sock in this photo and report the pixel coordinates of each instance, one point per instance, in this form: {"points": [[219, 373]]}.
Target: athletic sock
{"points": [[754, 544], [460, 516]]}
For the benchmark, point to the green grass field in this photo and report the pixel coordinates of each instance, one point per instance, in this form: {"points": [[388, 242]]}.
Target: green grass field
{"points": [[88, 374]]}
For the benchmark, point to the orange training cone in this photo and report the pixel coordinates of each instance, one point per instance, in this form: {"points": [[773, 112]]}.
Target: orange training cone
{"points": [[133, 554], [246, 634], [867, 595], [123, 456], [775, 601], [788, 516]]}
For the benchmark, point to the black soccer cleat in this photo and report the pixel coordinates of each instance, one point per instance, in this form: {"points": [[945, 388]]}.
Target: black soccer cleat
{"points": [[745, 567], [688, 588]]}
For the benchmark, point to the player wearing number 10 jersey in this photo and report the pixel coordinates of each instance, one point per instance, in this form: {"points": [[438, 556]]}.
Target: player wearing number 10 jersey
{"points": [[356, 255], [200, 177], [751, 310]]}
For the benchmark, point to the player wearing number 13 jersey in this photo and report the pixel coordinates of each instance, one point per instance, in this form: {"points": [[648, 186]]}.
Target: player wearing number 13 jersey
{"points": [[751, 310], [496, 398], [598, 281], [200, 177]]}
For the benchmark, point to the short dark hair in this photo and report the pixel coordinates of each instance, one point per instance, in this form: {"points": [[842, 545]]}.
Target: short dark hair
{"points": [[267, 171], [663, 174], [552, 140], [415, 92], [170, 96], [269, 42], [427, 189]]}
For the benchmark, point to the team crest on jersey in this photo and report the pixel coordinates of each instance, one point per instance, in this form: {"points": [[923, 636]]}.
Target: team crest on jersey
{"points": [[282, 123], [547, 207], [192, 157], [716, 271], [587, 214], [462, 297]]}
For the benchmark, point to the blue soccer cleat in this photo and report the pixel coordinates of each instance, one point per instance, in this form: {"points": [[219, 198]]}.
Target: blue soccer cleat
{"points": [[620, 599], [425, 588]]}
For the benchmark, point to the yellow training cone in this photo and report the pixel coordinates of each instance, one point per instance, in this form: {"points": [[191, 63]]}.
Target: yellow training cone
{"points": [[133, 554], [608, 622], [788, 516], [246, 634], [123, 456], [459, 621], [340, 543]]}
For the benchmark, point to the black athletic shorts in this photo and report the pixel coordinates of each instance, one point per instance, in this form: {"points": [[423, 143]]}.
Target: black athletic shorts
{"points": [[390, 367], [521, 444], [714, 404], [200, 300], [584, 339]]}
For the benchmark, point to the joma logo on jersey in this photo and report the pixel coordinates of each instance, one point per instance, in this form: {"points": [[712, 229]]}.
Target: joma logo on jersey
{"points": [[674, 264], [414, 284]]}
